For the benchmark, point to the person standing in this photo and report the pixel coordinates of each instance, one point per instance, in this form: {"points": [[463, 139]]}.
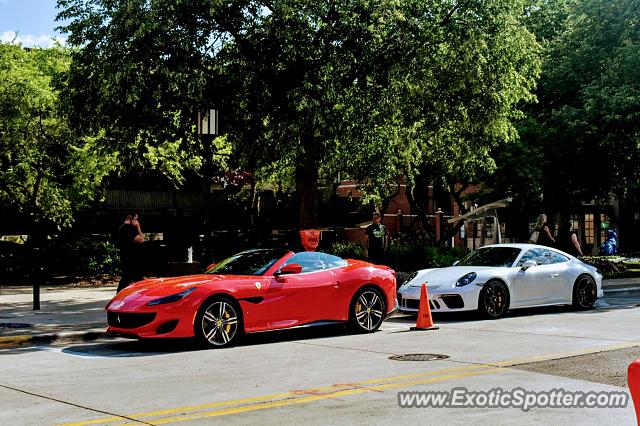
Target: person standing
{"points": [[568, 240], [377, 239], [544, 237], [130, 239]]}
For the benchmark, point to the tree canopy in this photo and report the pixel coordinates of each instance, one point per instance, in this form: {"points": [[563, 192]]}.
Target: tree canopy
{"points": [[370, 89], [48, 172]]}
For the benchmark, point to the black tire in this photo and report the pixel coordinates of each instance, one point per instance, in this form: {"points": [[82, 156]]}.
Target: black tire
{"points": [[218, 323], [367, 310], [494, 300], [585, 293]]}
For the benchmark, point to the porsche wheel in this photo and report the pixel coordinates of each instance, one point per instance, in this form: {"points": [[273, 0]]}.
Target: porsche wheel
{"points": [[494, 300], [585, 292], [218, 323], [367, 310]]}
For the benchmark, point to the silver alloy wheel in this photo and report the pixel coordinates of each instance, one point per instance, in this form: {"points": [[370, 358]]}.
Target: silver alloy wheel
{"points": [[368, 310], [219, 323], [495, 299], [586, 292]]}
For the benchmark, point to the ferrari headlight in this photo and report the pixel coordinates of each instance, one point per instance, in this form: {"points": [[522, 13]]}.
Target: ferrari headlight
{"points": [[466, 279], [172, 298]]}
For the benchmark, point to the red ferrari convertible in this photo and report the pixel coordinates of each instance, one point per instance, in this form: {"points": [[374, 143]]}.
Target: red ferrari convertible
{"points": [[256, 290]]}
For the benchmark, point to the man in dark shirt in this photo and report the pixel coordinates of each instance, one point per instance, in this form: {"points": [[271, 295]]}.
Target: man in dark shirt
{"points": [[130, 238], [377, 238]]}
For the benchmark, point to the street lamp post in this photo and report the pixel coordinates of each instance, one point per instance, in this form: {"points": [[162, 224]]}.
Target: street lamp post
{"points": [[208, 128]]}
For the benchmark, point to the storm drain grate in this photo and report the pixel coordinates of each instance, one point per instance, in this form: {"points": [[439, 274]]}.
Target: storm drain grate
{"points": [[418, 357]]}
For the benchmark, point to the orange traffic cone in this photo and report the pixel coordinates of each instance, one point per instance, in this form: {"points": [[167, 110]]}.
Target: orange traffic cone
{"points": [[424, 321], [633, 378]]}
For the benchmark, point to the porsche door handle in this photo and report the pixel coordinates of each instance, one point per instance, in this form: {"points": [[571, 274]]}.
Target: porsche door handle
{"points": [[554, 275]]}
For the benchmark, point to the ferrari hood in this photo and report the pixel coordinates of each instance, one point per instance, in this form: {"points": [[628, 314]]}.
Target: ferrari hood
{"points": [[440, 276], [160, 287]]}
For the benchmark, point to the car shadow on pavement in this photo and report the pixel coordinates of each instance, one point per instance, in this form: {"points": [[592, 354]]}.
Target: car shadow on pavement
{"points": [[140, 348]]}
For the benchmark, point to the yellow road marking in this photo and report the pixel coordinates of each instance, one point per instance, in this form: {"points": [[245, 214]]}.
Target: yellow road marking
{"points": [[337, 390], [307, 399], [282, 395]]}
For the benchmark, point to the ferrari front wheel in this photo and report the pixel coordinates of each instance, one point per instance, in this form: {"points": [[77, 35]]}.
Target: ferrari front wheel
{"points": [[367, 310], [218, 323]]}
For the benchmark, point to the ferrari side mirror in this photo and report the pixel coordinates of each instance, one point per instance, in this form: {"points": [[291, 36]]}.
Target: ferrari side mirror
{"points": [[292, 268]]}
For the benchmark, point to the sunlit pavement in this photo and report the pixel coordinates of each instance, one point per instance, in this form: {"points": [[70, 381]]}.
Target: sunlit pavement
{"points": [[323, 375]]}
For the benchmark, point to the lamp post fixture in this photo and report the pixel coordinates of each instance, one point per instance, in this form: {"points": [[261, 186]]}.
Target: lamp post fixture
{"points": [[208, 122]]}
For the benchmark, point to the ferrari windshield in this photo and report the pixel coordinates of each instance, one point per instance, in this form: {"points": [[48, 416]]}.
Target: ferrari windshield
{"points": [[491, 256], [250, 262]]}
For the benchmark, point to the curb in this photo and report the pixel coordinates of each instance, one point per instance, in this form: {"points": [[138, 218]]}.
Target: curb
{"points": [[622, 291], [11, 342]]}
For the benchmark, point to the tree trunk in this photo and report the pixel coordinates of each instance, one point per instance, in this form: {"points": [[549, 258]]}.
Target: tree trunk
{"points": [[457, 197], [307, 176]]}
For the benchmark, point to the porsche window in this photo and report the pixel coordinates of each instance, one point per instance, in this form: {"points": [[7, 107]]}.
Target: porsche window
{"points": [[309, 260], [491, 256], [558, 258], [251, 262], [540, 256]]}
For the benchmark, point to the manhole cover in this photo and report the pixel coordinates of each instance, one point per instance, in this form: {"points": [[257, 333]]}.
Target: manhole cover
{"points": [[418, 357], [14, 325]]}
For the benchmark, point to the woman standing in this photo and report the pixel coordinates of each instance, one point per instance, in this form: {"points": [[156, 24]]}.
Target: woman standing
{"points": [[544, 237]]}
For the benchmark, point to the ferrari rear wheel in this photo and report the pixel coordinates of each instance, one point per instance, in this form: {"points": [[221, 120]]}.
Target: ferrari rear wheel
{"points": [[367, 310], [585, 292], [494, 300], [218, 323]]}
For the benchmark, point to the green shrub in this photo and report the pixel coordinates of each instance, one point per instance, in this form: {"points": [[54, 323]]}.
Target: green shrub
{"points": [[348, 250], [410, 258], [82, 256]]}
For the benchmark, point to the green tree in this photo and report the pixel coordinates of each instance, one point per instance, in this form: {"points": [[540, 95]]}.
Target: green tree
{"points": [[48, 172], [587, 120], [372, 89]]}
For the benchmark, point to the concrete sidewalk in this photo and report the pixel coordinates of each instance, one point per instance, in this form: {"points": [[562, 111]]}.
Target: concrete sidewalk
{"points": [[66, 313], [70, 313]]}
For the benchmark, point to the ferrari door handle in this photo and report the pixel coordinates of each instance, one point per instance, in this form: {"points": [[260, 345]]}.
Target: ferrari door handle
{"points": [[336, 284]]}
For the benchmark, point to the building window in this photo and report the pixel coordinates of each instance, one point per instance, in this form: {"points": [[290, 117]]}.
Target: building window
{"points": [[575, 222], [604, 227], [589, 229], [489, 230]]}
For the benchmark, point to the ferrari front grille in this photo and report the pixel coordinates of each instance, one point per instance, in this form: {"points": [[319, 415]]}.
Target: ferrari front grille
{"points": [[128, 319]]}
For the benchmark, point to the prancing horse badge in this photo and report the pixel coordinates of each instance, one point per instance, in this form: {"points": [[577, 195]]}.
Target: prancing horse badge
{"points": [[258, 285]]}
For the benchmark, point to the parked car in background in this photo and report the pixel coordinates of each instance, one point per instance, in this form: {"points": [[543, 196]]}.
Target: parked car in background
{"points": [[496, 278]]}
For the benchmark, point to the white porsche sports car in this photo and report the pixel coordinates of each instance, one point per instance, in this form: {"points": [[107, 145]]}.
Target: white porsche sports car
{"points": [[496, 278]]}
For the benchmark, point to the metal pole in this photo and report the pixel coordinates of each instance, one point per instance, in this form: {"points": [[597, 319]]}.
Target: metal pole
{"points": [[35, 277]]}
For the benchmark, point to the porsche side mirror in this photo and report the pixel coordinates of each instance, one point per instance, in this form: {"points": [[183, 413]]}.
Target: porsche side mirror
{"points": [[528, 264], [292, 268], [456, 262]]}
